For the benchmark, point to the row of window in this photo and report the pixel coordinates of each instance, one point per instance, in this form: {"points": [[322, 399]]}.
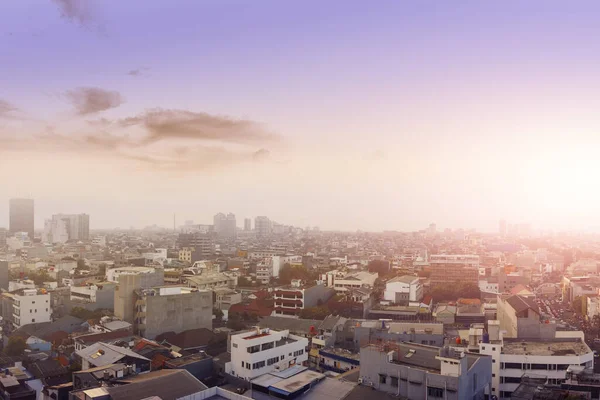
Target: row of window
{"points": [[272, 361], [32, 311], [298, 353], [261, 364], [546, 367]]}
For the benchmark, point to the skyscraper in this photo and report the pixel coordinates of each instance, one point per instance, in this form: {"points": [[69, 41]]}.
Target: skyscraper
{"points": [[64, 227], [262, 225], [248, 224], [225, 225], [21, 216]]}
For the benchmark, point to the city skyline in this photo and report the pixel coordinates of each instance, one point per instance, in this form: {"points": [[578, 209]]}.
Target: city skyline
{"points": [[340, 115]]}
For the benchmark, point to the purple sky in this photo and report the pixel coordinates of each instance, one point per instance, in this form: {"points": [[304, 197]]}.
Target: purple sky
{"points": [[347, 115]]}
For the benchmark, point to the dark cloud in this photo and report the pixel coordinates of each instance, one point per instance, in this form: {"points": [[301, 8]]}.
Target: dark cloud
{"points": [[75, 10], [138, 71], [162, 124], [90, 100]]}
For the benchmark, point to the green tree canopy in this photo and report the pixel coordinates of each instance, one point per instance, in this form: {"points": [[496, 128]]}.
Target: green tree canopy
{"points": [[16, 346]]}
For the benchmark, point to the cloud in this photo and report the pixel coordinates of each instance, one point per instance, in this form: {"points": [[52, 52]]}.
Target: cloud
{"points": [[138, 71], [261, 155], [75, 10], [7, 109], [161, 124], [91, 100]]}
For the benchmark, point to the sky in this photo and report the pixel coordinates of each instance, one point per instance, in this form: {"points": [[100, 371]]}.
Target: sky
{"points": [[385, 115]]}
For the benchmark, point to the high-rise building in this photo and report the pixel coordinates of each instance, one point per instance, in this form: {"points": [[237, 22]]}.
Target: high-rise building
{"points": [[225, 225], [502, 227], [64, 227], [262, 226], [21, 216], [248, 224]]}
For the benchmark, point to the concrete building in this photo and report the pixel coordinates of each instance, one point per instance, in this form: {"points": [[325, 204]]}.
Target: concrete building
{"points": [[291, 300], [21, 216], [31, 306], [226, 297], [202, 243], [64, 227], [101, 294], [113, 274], [19, 241], [172, 309], [262, 226], [129, 282], [341, 281], [362, 333], [211, 281], [4, 275], [454, 269], [417, 372], [225, 225], [518, 316], [549, 358], [261, 351], [247, 224], [403, 289]]}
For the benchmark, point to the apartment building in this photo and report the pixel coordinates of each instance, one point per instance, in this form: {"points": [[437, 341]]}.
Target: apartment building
{"points": [[454, 269], [101, 294], [31, 306], [128, 283], [226, 297], [171, 309], [518, 316], [291, 300], [414, 371], [403, 289], [261, 351], [211, 281], [546, 357]]}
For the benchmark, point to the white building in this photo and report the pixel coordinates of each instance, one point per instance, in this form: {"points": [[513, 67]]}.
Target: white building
{"points": [[341, 281], [489, 285], [261, 351], [548, 358], [18, 241], [31, 306], [403, 289], [466, 259], [64, 227], [99, 240], [20, 284], [112, 275]]}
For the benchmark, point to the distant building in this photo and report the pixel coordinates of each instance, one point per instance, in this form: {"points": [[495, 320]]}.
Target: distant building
{"points": [[21, 216], [225, 225], [403, 290], [454, 269], [248, 224], [3, 235], [4, 275], [172, 309], [211, 281], [261, 351], [101, 294], [262, 226], [417, 372], [202, 243], [226, 297], [519, 316], [291, 300], [64, 227]]}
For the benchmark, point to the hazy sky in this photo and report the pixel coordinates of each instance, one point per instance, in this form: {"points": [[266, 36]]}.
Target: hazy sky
{"points": [[343, 114]]}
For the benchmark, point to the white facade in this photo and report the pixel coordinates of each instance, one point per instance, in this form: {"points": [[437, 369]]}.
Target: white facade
{"points": [[55, 231], [489, 287], [20, 284], [99, 241], [18, 241], [536, 358], [112, 275], [64, 227], [467, 259], [342, 282], [31, 306], [261, 351], [409, 288]]}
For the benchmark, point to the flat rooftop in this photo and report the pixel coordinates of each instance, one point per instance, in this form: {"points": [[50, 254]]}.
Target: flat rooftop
{"points": [[556, 347], [298, 381]]}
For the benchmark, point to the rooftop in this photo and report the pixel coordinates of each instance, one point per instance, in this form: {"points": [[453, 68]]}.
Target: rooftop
{"points": [[556, 347]]}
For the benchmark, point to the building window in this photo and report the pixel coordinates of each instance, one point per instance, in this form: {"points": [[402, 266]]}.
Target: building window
{"points": [[482, 347], [493, 349], [243, 365], [33, 320], [539, 366], [435, 392], [382, 378], [267, 346], [474, 382], [234, 344], [394, 381], [493, 375], [258, 365]]}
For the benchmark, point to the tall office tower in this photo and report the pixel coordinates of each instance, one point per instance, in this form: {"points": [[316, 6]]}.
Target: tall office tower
{"points": [[21, 216], [262, 226], [225, 225], [64, 227], [248, 224], [502, 227]]}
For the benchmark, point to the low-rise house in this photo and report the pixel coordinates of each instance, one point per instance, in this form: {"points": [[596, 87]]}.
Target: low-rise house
{"points": [[291, 300], [403, 290], [100, 354]]}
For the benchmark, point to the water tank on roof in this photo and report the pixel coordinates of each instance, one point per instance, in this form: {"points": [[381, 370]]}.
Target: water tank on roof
{"points": [[458, 340], [486, 337]]}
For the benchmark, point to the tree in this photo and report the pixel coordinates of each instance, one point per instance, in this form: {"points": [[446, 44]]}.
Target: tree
{"points": [[16, 346], [81, 264], [289, 272], [243, 281]]}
